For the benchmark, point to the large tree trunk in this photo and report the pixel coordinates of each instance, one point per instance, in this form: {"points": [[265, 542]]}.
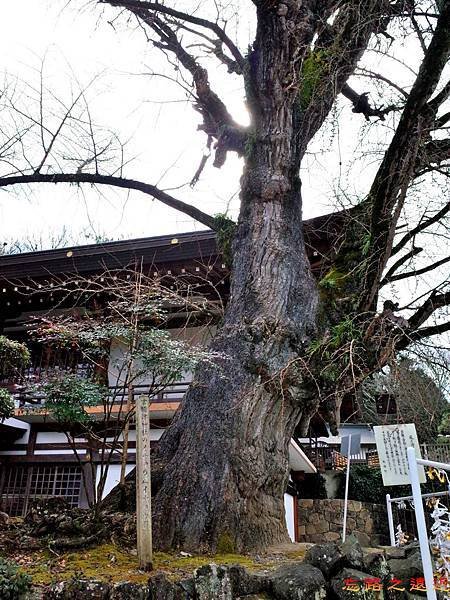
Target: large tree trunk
{"points": [[226, 454]]}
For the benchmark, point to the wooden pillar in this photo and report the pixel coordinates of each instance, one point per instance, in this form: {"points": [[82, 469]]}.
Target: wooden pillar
{"points": [[143, 485]]}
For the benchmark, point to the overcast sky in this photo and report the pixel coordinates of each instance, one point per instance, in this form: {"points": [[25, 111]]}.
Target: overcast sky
{"points": [[150, 112], [81, 43]]}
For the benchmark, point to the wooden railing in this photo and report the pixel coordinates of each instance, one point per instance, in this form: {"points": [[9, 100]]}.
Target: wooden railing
{"points": [[320, 454], [171, 393], [436, 452], [327, 457], [44, 366], [118, 394]]}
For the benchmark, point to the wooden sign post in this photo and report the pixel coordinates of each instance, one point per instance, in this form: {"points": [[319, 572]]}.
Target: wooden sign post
{"points": [[143, 485]]}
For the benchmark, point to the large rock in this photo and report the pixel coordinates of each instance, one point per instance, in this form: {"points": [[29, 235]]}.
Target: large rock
{"points": [[352, 552], [298, 581], [210, 582], [375, 563], [75, 589], [395, 552], [213, 583], [129, 591], [342, 586], [244, 583], [326, 557], [405, 568], [161, 588], [363, 538], [332, 557]]}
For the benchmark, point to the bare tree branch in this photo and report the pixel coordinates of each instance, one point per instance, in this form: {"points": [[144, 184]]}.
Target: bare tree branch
{"points": [[399, 263], [344, 42], [421, 227], [362, 72], [441, 121], [433, 152], [417, 272], [397, 168], [431, 304], [217, 121], [424, 332], [361, 104], [48, 149], [201, 22], [440, 98], [120, 182]]}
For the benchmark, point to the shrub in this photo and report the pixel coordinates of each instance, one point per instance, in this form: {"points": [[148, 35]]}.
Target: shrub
{"points": [[68, 396], [13, 356], [13, 583], [6, 404]]}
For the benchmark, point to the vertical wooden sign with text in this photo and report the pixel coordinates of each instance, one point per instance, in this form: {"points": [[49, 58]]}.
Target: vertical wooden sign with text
{"points": [[143, 485]]}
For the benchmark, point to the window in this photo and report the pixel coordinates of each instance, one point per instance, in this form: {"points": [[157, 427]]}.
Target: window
{"points": [[13, 490], [25, 482]]}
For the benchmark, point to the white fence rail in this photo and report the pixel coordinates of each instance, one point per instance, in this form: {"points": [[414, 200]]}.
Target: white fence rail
{"points": [[413, 463], [390, 501]]}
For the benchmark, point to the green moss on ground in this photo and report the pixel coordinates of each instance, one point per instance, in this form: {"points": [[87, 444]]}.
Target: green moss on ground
{"points": [[107, 562]]}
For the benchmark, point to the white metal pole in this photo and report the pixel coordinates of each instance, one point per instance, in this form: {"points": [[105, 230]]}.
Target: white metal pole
{"points": [[421, 525], [347, 478], [390, 519]]}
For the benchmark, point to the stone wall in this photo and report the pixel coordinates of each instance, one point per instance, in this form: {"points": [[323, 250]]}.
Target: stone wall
{"points": [[320, 521]]}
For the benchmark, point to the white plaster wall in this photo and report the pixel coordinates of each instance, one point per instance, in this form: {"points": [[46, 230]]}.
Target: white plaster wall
{"points": [[23, 425], [155, 434], [54, 437], [113, 477], [48, 452], [289, 515], [114, 470], [117, 357]]}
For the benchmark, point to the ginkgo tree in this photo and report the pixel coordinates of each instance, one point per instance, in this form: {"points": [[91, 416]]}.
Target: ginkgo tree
{"points": [[296, 345]]}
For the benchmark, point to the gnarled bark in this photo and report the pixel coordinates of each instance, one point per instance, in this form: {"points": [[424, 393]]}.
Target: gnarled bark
{"points": [[226, 454]]}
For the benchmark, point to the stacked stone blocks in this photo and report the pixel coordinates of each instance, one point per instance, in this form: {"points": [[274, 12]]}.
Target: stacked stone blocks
{"points": [[320, 521]]}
